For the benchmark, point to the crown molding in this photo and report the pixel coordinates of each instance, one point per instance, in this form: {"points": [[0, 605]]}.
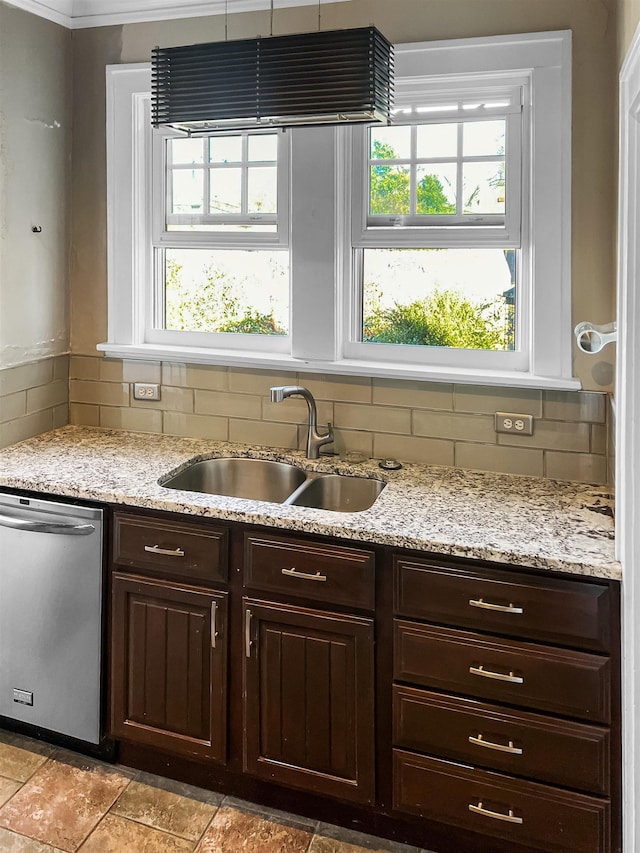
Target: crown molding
{"points": [[78, 14]]}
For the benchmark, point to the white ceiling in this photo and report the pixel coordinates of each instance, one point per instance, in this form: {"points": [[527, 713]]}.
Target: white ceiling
{"points": [[75, 14]]}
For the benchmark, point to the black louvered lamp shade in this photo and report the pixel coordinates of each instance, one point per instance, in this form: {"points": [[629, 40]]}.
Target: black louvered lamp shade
{"points": [[326, 77]]}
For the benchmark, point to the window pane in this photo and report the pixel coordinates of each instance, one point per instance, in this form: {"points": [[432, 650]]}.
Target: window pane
{"points": [[225, 190], [186, 151], [225, 149], [483, 188], [436, 190], [263, 189], [263, 147], [233, 291], [483, 138], [437, 140], [187, 191], [390, 143], [390, 190], [460, 298]]}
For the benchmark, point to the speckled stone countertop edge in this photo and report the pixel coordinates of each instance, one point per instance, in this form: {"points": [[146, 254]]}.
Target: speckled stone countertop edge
{"points": [[498, 518]]}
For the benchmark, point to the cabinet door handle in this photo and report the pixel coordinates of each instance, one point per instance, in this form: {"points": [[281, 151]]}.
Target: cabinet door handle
{"points": [[479, 740], [247, 634], [214, 632], [497, 608], [508, 818], [306, 576], [156, 549], [498, 676]]}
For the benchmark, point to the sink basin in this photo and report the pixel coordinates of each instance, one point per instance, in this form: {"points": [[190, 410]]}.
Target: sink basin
{"points": [[338, 493], [239, 477]]}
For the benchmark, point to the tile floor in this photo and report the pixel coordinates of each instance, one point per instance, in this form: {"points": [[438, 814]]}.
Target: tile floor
{"points": [[55, 801]]}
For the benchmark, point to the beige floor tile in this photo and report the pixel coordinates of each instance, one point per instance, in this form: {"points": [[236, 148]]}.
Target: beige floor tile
{"points": [[17, 763], [235, 831], [8, 788], [321, 844], [119, 835], [61, 803], [164, 810], [339, 839], [11, 842]]}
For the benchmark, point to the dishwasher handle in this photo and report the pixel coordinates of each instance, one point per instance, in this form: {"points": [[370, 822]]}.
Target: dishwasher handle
{"points": [[46, 526]]}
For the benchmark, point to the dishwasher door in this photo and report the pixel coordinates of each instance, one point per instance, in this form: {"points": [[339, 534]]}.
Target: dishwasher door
{"points": [[51, 615]]}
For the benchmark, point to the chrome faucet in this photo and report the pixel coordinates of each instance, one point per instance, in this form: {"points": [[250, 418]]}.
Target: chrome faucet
{"points": [[278, 393]]}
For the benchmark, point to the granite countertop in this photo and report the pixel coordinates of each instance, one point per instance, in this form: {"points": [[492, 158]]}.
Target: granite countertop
{"points": [[524, 521]]}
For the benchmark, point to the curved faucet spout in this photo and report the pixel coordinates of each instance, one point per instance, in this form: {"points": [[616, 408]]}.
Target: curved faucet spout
{"points": [[315, 440]]}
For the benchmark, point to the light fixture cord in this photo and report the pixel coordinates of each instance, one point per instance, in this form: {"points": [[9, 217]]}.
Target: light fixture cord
{"points": [[319, 17], [226, 20], [271, 24]]}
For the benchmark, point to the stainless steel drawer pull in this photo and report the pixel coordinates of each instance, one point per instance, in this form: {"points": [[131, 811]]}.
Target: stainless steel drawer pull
{"points": [[508, 818], [497, 608], [156, 549], [479, 740], [294, 573], [214, 632], [498, 676]]}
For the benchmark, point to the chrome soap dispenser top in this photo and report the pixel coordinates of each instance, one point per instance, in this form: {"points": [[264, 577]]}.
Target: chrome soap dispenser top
{"points": [[315, 440]]}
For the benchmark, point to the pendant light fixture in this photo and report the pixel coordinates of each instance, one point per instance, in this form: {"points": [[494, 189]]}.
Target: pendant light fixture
{"points": [[324, 77]]}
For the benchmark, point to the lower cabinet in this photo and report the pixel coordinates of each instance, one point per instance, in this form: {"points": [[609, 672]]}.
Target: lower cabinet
{"points": [[309, 699], [169, 666], [443, 703]]}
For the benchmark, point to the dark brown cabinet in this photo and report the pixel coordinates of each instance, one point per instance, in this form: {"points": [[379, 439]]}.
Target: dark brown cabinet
{"points": [[309, 699], [447, 703], [169, 666]]}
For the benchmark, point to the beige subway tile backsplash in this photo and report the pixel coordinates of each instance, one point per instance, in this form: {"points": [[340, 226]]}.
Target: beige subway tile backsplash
{"points": [[457, 426], [427, 451], [509, 460], [25, 376], [100, 393], [575, 406], [488, 400], [195, 426], [552, 435], [259, 432], [47, 396], [342, 389], [224, 404], [427, 422], [26, 427], [13, 406], [138, 420], [373, 418], [416, 395]]}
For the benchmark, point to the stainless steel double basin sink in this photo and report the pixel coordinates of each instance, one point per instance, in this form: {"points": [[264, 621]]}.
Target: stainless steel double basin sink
{"points": [[276, 482]]}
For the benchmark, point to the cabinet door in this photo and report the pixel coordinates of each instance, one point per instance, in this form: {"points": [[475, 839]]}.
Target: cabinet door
{"points": [[169, 666], [308, 699]]}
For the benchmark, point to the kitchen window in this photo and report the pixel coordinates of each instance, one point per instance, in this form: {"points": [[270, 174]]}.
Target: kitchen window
{"points": [[437, 247]]}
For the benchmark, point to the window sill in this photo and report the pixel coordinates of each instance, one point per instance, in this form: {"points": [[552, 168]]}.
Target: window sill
{"points": [[346, 367]]}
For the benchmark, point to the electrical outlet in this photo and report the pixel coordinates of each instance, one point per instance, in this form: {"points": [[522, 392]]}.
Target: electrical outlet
{"points": [[146, 391], [514, 424]]}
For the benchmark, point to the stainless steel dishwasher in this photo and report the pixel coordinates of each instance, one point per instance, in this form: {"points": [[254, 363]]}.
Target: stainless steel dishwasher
{"points": [[51, 615]]}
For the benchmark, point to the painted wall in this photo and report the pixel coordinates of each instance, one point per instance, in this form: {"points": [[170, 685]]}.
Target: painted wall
{"points": [[593, 25], [35, 162], [628, 21]]}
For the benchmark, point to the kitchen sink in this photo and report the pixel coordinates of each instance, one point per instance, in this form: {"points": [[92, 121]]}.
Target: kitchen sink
{"points": [[339, 493], [276, 482], [239, 477]]}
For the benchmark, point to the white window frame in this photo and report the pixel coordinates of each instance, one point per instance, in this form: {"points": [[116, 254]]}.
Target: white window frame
{"points": [[320, 229]]}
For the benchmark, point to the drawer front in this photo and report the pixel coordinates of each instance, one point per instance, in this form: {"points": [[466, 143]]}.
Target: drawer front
{"points": [[558, 751], [523, 812], [173, 548], [562, 612], [320, 572], [575, 684]]}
